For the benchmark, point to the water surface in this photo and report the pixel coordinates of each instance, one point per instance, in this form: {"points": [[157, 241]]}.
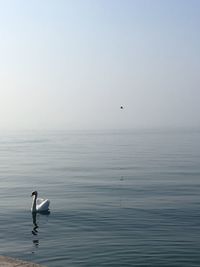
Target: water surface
{"points": [[118, 198]]}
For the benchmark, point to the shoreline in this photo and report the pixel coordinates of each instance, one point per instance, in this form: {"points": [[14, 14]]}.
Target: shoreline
{"points": [[12, 262]]}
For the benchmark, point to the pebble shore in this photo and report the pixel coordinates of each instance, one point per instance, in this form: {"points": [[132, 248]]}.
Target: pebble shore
{"points": [[10, 262]]}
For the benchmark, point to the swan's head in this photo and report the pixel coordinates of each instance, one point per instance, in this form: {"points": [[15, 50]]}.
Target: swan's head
{"points": [[34, 193]]}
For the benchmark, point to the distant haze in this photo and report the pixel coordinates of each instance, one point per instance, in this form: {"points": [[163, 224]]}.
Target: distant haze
{"points": [[73, 64]]}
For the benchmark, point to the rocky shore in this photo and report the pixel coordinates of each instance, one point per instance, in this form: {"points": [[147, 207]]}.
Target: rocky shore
{"points": [[10, 262]]}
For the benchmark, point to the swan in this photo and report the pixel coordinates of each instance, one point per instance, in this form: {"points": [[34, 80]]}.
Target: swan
{"points": [[39, 204]]}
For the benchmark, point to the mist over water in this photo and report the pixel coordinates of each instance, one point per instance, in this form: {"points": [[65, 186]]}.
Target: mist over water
{"points": [[118, 198]]}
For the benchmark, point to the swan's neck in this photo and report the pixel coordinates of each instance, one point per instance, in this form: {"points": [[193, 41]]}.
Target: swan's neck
{"points": [[33, 209]]}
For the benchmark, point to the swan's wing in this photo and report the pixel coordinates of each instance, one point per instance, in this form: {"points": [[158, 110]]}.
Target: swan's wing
{"points": [[39, 201], [42, 204]]}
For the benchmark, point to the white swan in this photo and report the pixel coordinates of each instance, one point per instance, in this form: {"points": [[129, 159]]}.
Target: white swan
{"points": [[39, 204]]}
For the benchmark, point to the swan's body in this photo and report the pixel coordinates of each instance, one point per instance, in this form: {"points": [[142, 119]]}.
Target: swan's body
{"points": [[39, 204]]}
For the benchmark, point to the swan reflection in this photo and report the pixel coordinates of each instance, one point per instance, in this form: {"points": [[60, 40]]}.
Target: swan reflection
{"points": [[34, 218], [35, 225], [35, 231]]}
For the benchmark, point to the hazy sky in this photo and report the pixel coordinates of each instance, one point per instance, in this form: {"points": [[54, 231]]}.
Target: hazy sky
{"points": [[71, 64]]}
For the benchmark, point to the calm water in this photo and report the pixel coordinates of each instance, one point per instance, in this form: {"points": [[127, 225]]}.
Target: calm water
{"points": [[129, 198]]}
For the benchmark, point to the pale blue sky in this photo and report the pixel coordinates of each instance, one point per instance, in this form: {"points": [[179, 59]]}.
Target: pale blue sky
{"points": [[72, 64]]}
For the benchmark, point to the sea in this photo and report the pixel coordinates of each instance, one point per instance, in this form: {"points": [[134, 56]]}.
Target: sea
{"points": [[117, 197]]}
